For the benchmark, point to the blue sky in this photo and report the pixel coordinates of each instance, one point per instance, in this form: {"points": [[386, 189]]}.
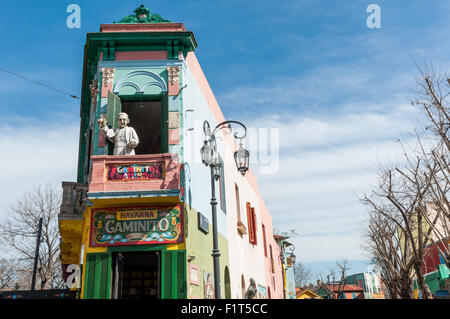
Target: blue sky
{"points": [[337, 92]]}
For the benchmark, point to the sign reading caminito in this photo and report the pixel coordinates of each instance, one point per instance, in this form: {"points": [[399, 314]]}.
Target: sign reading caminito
{"points": [[136, 225], [116, 172]]}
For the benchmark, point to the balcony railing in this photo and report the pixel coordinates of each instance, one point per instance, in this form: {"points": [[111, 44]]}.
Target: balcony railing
{"points": [[124, 173]]}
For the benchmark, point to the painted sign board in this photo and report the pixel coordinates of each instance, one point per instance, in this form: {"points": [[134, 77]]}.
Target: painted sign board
{"points": [[203, 224], [194, 275], [136, 226], [133, 172]]}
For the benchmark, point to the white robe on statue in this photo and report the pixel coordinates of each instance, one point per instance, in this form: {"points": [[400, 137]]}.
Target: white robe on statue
{"points": [[121, 137]]}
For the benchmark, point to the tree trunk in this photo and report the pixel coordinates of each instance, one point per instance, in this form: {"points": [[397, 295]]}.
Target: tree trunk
{"points": [[406, 291], [426, 293]]}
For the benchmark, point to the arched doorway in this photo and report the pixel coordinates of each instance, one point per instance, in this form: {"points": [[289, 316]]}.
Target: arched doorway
{"points": [[227, 284]]}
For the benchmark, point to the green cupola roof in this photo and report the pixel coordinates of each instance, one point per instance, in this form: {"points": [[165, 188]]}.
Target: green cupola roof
{"points": [[143, 15]]}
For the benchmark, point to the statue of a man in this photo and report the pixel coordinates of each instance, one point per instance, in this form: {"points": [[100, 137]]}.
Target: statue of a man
{"points": [[251, 291], [124, 138]]}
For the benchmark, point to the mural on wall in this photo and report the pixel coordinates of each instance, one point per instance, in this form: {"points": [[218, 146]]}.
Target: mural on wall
{"points": [[134, 172], [261, 293], [136, 225], [208, 285]]}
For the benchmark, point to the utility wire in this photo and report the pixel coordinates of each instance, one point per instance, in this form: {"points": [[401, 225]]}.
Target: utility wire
{"points": [[42, 84]]}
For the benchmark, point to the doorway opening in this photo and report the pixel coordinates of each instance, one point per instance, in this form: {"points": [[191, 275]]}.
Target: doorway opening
{"points": [[136, 275], [145, 118]]}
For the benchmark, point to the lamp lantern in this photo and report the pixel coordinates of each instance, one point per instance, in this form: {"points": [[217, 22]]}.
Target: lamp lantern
{"points": [[217, 167], [293, 258], [241, 157], [205, 152]]}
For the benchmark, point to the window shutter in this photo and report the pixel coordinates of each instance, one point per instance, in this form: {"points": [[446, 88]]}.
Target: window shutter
{"points": [[250, 222], [238, 203], [167, 285], [174, 279], [113, 109], [263, 229], [255, 242], [181, 275], [97, 283]]}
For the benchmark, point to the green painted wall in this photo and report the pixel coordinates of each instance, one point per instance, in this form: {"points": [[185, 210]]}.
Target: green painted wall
{"points": [[200, 245]]}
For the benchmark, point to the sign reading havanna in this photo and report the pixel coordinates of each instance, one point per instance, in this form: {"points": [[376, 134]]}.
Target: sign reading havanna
{"points": [[136, 225]]}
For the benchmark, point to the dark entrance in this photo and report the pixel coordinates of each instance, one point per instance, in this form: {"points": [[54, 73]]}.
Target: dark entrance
{"points": [[136, 275], [145, 117]]}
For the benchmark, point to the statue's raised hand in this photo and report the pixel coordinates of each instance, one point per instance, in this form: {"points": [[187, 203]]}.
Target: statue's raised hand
{"points": [[101, 122]]}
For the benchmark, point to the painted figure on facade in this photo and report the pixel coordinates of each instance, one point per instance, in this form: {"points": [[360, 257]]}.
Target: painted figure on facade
{"points": [[124, 138], [209, 286], [251, 290]]}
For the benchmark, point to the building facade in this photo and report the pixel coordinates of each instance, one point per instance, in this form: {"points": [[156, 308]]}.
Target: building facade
{"points": [[370, 282], [339, 291], [435, 270], [139, 226], [287, 258]]}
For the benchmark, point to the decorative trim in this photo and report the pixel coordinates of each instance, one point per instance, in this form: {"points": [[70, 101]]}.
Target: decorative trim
{"points": [[174, 119], [94, 90], [173, 74], [108, 76], [123, 81], [241, 228], [143, 15], [134, 194], [140, 64]]}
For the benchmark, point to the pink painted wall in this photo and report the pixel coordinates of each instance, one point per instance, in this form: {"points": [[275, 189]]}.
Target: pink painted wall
{"points": [[99, 183], [242, 249], [141, 55], [266, 219]]}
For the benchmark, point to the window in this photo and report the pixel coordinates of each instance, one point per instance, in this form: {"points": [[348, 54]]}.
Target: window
{"points": [[271, 258], [240, 226], [251, 220], [264, 239], [148, 116], [238, 202]]}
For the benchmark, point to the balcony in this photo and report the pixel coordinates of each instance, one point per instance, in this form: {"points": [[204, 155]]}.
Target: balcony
{"points": [[134, 175], [73, 200]]}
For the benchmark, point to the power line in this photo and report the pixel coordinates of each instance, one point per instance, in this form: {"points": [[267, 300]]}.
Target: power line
{"points": [[39, 83]]}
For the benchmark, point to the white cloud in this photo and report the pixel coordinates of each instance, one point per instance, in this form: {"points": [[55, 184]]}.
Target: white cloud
{"points": [[326, 164], [35, 155]]}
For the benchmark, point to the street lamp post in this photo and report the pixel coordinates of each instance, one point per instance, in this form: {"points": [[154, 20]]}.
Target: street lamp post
{"points": [[210, 157]]}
